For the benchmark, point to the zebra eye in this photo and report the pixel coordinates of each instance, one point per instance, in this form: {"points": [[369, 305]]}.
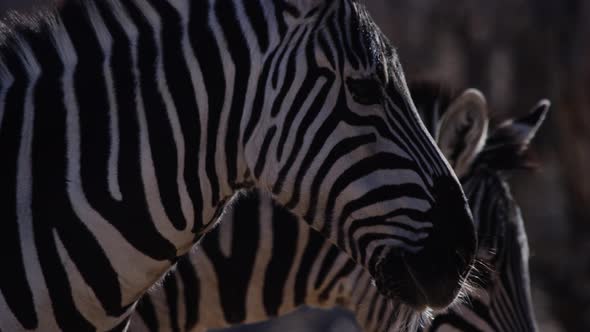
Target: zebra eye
{"points": [[365, 91]]}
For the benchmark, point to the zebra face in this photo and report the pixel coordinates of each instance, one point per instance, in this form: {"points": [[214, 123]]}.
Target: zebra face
{"points": [[344, 147]]}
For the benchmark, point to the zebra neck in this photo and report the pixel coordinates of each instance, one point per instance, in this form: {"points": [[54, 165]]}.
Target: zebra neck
{"points": [[132, 135]]}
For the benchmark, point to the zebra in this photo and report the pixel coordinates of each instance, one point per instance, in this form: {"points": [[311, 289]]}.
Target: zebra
{"points": [[127, 126], [501, 299], [234, 280]]}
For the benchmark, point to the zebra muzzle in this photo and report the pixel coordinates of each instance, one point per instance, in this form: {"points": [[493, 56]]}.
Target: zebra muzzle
{"points": [[433, 276]]}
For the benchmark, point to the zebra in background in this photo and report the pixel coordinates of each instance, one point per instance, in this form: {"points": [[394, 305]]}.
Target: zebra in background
{"points": [[501, 299], [233, 279], [126, 127]]}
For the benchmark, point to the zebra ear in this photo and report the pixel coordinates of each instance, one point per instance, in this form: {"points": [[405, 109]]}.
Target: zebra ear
{"points": [[463, 129], [523, 129]]}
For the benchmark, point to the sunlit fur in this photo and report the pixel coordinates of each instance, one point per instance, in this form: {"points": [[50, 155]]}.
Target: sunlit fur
{"points": [[126, 126]]}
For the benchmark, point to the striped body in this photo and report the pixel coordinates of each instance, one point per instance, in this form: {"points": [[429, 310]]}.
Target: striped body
{"points": [[126, 125], [231, 280]]}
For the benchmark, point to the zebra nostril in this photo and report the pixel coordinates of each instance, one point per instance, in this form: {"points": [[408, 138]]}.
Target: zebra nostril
{"points": [[394, 279], [434, 275]]}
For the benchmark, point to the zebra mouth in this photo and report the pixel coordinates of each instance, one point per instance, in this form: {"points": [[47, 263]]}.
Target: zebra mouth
{"points": [[431, 278], [420, 291], [434, 275], [395, 279]]}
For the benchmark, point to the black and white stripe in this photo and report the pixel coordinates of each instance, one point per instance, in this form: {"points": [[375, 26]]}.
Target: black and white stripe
{"points": [[283, 264], [125, 126]]}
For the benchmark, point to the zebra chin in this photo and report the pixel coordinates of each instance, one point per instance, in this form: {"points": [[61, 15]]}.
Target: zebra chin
{"points": [[433, 276]]}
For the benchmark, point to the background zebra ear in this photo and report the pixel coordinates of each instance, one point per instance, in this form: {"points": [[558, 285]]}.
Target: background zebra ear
{"points": [[462, 130], [523, 129]]}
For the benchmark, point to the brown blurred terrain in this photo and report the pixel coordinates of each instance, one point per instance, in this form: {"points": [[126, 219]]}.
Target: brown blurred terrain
{"points": [[516, 52]]}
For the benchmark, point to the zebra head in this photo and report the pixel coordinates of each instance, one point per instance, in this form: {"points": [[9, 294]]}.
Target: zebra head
{"points": [[501, 300], [339, 142]]}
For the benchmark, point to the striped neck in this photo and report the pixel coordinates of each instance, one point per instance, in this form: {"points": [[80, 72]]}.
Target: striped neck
{"points": [[131, 142]]}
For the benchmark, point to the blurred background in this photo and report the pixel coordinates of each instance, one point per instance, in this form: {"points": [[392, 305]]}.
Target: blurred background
{"points": [[516, 52]]}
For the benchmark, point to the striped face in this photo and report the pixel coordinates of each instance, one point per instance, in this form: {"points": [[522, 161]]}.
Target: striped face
{"points": [[283, 264], [340, 143]]}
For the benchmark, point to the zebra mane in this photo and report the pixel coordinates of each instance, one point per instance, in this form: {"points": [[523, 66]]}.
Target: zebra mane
{"points": [[23, 16]]}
